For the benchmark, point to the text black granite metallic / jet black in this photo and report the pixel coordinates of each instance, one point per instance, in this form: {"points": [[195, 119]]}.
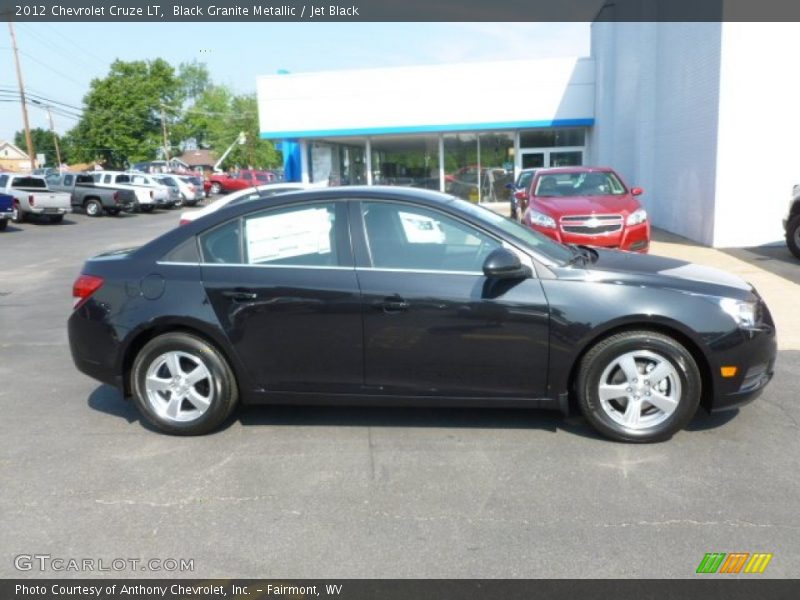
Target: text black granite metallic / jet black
{"points": [[374, 295]]}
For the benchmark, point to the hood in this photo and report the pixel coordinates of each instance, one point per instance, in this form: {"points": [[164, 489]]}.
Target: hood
{"points": [[632, 268], [585, 205]]}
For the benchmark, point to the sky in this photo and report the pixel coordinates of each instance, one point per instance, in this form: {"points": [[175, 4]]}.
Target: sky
{"points": [[59, 60]]}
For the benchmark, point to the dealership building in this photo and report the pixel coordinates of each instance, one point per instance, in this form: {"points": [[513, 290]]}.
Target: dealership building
{"points": [[698, 114]]}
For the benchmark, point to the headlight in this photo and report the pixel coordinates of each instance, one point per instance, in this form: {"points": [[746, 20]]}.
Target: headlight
{"points": [[637, 216], [541, 220], [744, 313]]}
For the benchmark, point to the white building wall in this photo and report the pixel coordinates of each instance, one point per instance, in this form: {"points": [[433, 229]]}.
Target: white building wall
{"points": [[469, 96], [759, 129], [656, 117]]}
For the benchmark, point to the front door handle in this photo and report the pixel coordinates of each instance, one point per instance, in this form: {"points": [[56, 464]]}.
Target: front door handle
{"points": [[240, 295], [392, 304]]}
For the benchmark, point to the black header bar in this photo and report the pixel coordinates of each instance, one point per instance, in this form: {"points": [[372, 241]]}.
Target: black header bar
{"points": [[399, 10], [705, 587]]}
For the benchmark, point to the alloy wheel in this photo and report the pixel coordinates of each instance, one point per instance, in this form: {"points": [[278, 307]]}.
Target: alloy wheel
{"points": [[179, 387]]}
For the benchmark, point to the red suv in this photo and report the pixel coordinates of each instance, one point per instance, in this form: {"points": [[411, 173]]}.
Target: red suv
{"points": [[589, 206]]}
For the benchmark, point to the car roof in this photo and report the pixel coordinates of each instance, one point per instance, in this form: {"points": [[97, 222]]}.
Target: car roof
{"points": [[556, 170]]}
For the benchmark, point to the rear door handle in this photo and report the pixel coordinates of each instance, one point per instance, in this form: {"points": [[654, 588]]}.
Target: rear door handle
{"points": [[239, 295], [392, 304]]}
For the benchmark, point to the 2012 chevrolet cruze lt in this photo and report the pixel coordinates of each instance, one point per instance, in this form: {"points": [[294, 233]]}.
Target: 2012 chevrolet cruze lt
{"points": [[391, 295]]}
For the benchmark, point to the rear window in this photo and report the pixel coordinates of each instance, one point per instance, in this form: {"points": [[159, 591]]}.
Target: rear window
{"points": [[29, 182], [83, 179]]}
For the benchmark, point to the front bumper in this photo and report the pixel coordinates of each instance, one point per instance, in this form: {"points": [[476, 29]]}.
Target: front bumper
{"points": [[753, 355], [634, 238]]}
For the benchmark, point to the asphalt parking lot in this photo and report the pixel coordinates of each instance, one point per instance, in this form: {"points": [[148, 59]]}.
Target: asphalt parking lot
{"points": [[370, 492]]}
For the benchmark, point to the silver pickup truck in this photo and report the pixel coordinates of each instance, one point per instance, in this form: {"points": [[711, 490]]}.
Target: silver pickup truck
{"points": [[33, 197]]}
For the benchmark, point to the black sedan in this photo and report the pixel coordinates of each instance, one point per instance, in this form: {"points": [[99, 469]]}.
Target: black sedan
{"points": [[402, 296]]}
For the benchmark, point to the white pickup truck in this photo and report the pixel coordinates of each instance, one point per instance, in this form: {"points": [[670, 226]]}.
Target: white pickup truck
{"points": [[145, 198], [33, 197]]}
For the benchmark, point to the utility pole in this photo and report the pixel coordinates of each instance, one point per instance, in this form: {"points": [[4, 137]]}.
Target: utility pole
{"points": [[164, 132], [28, 141], [55, 138]]}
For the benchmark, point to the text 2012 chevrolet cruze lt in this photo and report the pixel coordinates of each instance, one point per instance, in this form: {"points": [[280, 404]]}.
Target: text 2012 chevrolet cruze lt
{"points": [[391, 295]]}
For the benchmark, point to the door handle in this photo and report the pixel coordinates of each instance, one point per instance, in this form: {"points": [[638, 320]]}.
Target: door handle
{"points": [[239, 295], [392, 304]]}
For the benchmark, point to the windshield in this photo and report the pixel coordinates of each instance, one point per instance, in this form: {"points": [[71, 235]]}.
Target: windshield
{"points": [[582, 183], [525, 178], [528, 237]]}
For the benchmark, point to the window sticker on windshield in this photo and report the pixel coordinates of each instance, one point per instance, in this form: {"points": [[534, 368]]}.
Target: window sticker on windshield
{"points": [[298, 233]]}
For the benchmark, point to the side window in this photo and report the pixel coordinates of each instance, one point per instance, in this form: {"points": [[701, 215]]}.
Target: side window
{"points": [[107, 179], [3, 181], [222, 245], [68, 179], [403, 236], [296, 236]]}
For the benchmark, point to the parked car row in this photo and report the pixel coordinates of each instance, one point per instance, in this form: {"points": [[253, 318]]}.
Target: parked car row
{"points": [[93, 192]]}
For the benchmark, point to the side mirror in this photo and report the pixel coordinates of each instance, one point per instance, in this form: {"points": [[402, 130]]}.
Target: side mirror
{"points": [[504, 264], [510, 186], [637, 191]]}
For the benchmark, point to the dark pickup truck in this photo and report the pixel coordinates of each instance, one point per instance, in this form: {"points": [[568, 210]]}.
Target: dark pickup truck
{"points": [[6, 209], [92, 199]]}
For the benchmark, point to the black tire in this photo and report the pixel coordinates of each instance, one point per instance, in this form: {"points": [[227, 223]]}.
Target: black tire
{"points": [[793, 235], [113, 211], [685, 384], [93, 208], [55, 218], [17, 215], [146, 208], [3, 224], [221, 383]]}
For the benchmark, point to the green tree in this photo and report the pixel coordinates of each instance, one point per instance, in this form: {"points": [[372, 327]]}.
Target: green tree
{"points": [[42, 143], [215, 120], [122, 112]]}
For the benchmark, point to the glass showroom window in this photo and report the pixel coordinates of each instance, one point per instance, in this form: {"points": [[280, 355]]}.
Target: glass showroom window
{"points": [[406, 160], [338, 164], [497, 166], [477, 167], [461, 165]]}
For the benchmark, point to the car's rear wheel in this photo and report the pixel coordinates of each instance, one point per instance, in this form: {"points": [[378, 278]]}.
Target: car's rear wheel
{"points": [[3, 224], [793, 235], [183, 385], [639, 386], [55, 218], [93, 208], [146, 207], [16, 213]]}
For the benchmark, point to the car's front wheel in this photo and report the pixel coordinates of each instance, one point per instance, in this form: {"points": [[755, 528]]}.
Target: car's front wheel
{"points": [[793, 235], [183, 385], [216, 188], [639, 386]]}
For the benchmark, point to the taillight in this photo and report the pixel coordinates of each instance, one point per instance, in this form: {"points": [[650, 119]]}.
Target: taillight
{"points": [[31, 200], [521, 195], [83, 288], [151, 193], [115, 196], [185, 221]]}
